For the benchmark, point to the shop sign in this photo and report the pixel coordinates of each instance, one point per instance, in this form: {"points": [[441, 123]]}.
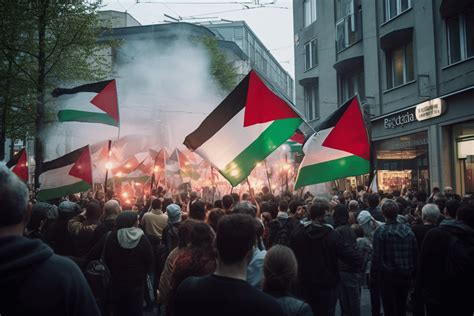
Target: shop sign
{"points": [[430, 109], [400, 119]]}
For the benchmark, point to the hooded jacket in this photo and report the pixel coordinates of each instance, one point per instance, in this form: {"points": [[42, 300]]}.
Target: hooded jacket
{"points": [[35, 281], [317, 248], [451, 242]]}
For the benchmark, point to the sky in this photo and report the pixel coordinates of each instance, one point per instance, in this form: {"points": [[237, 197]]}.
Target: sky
{"points": [[272, 23]]}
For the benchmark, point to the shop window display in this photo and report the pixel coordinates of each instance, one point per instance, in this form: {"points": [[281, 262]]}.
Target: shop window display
{"points": [[402, 162]]}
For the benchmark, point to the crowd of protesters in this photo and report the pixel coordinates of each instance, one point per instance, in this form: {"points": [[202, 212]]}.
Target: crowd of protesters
{"points": [[255, 254]]}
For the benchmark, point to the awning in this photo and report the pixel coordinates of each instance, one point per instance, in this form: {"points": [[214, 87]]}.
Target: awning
{"points": [[396, 38], [348, 64]]}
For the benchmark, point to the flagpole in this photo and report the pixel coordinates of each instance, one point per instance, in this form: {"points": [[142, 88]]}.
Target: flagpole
{"points": [[107, 166]]}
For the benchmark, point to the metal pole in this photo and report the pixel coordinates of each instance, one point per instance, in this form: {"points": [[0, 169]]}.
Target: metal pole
{"points": [[106, 167]]}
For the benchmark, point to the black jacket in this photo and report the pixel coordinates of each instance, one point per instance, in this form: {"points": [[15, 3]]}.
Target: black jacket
{"points": [[317, 249], [348, 237], [105, 226], [35, 281], [451, 293]]}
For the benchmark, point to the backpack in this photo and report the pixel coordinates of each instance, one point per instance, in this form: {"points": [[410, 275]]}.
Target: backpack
{"points": [[98, 274], [282, 236]]}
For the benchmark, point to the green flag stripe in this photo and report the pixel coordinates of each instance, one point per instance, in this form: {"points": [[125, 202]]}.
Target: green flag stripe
{"points": [[53, 193], [86, 117], [275, 134], [331, 170]]}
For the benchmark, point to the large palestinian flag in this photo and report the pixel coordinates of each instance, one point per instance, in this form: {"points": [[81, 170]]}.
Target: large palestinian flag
{"points": [[339, 149], [71, 173], [18, 164], [93, 103], [248, 125]]}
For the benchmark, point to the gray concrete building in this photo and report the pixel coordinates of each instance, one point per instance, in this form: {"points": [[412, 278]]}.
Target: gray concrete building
{"points": [[412, 65]]}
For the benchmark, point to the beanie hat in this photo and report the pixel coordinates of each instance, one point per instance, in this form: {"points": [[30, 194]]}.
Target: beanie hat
{"points": [[68, 209], [364, 217], [50, 209], [126, 219], [174, 213]]}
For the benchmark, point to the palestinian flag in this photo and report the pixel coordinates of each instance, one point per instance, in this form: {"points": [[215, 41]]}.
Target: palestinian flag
{"points": [[339, 149], [295, 143], [248, 125], [19, 165], [185, 165], [94, 96], [71, 173]]}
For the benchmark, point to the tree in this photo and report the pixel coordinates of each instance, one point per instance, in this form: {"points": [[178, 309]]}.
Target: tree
{"points": [[224, 74], [45, 43]]}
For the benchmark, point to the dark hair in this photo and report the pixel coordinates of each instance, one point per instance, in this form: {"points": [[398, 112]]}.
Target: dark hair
{"points": [[440, 200], [236, 197], [218, 204], [156, 204], [198, 211], [93, 210], [452, 207], [341, 215], [283, 206], [279, 269], [126, 219], [227, 201], [466, 214], [293, 206], [37, 216], [184, 232], [165, 204], [318, 208], [214, 216], [201, 235], [390, 209], [358, 231], [421, 196], [373, 200], [235, 237], [244, 207], [208, 206]]}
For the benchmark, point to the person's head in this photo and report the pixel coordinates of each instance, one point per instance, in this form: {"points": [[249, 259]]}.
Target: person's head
{"points": [[197, 211], [373, 200], [430, 213], [214, 216], [451, 208], [244, 207], [218, 204], [466, 214], [440, 200], [390, 209], [341, 215], [283, 206], [184, 232], [265, 190], [15, 209], [193, 196], [111, 208], [235, 238], [421, 196], [227, 202], [174, 213], [39, 216], [165, 203], [236, 197], [156, 204], [201, 235], [127, 219], [293, 206], [358, 230], [318, 209], [67, 210], [93, 210], [353, 206], [448, 190], [279, 269], [435, 190]]}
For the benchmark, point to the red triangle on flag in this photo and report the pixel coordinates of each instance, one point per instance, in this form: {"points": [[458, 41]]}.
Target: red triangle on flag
{"points": [[21, 167], [298, 137], [82, 168], [263, 105], [349, 133], [107, 100]]}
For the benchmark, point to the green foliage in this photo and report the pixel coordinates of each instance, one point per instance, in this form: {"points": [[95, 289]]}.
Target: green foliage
{"points": [[224, 74], [45, 44]]}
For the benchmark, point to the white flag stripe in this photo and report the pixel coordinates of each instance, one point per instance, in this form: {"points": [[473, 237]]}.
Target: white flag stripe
{"points": [[57, 178], [230, 140]]}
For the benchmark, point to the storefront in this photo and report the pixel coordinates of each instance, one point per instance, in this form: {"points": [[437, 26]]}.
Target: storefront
{"points": [[426, 145]]}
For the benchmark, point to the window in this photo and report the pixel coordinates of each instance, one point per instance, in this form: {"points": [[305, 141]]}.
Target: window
{"points": [[395, 7], [400, 67], [348, 30], [460, 33], [311, 54], [350, 84], [309, 12], [311, 102]]}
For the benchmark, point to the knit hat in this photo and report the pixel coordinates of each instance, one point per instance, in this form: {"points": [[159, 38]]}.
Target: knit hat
{"points": [[50, 209], [364, 217], [174, 213], [126, 219], [68, 209]]}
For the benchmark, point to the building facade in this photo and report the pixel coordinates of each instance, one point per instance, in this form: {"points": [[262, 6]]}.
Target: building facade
{"points": [[412, 65]]}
